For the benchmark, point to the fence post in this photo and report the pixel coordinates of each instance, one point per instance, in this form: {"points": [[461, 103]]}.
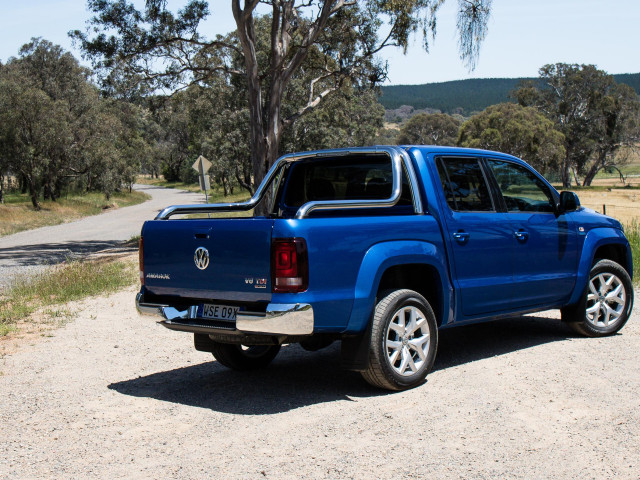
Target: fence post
{"points": [[604, 209]]}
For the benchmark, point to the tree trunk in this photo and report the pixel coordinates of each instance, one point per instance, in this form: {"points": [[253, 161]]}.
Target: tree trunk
{"points": [[23, 184], [225, 185], [58, 186], [244, 178], [246, 35], [33, 192], [1, 188], [598, 165], [593, 171], [566, 177], [48, 192], [575, 175]]}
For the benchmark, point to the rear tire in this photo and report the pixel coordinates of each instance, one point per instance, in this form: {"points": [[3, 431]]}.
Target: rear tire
{"points": [[606, 303], [404, 341], [241, 357]]}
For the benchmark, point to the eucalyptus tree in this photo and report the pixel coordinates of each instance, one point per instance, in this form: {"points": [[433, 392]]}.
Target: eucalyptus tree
{"points": [[351, 118], [430, 129], [596, 116], [28, 127], [336, 42], [521, 131], [55, 129]]}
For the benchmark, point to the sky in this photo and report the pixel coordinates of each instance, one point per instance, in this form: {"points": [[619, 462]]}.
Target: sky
{"points": [[523, 35]]}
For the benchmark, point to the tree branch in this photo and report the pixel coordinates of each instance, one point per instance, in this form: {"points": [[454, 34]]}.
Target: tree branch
{"points": [[312, 103]]}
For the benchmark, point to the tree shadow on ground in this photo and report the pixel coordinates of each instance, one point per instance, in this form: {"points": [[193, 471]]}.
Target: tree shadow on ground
{"points": [[52, 253], [298, 378]]}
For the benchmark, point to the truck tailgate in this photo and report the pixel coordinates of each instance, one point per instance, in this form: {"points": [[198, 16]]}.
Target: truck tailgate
{"points": [[238, 252]]}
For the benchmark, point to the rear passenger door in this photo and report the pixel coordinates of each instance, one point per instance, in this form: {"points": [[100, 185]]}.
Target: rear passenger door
{"points": [[545, 249], [480, 237]]}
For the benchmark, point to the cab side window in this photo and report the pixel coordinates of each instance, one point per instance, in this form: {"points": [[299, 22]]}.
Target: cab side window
{"points": [[464, 185], [521, 189]]}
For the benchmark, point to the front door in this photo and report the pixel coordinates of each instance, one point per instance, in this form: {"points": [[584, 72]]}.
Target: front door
{"points": [[546, 254]]}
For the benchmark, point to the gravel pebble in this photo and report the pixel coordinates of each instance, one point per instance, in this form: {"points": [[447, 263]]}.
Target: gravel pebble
{"points": [[520, 399]]}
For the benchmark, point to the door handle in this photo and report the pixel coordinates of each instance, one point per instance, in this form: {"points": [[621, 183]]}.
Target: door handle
{"points": [[522, 235], [461, 237]]}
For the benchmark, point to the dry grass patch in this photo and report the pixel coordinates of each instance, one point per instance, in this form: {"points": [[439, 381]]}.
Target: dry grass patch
{"points": [[41, 300], [17, 214], [620, 203]]}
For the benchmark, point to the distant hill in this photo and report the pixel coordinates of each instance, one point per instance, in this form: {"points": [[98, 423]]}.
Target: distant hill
{"points": [[465, 96]]}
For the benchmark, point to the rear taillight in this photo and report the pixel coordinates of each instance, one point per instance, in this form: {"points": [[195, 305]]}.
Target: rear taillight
{"points": [[289, 265], [141, 259]]}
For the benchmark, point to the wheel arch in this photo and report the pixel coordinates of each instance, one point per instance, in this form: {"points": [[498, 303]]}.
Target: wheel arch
{"points": [[415, 265], [422, 278], [615, 252], [601, 244]]}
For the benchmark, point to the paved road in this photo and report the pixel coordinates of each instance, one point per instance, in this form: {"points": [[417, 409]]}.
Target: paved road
{"points": [[29, 251]]}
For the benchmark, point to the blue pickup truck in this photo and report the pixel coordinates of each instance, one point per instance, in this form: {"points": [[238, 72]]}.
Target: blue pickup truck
{"points": [[379, 248]]}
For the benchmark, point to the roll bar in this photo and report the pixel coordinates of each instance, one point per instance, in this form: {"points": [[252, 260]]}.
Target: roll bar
{"points": [[398, 158]]}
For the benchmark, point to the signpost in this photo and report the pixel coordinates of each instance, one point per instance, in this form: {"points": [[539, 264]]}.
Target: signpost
{"points": [[202, 166]]}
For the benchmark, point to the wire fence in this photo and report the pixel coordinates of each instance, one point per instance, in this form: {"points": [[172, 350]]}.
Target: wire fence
{"points": [[627, 214]]}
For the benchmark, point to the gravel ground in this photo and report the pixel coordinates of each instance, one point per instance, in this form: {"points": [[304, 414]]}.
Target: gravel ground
{"points": [[32, 250], [112, 395]]}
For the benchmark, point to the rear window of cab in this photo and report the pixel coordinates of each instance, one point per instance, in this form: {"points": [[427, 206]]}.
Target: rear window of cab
{"points": [[366, 177]]}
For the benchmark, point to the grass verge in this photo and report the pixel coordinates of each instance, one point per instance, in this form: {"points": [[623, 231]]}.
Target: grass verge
{"points": [[17, 213], [50, 290], [632, 231]]}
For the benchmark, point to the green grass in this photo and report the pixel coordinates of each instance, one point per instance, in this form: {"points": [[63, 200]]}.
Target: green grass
{"points": [[626, 169], [52, 289], [632, 231], [17, 213]]}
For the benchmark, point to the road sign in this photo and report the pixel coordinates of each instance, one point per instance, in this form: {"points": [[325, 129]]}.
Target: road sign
{"points": [[202, 165], [207, 183]]}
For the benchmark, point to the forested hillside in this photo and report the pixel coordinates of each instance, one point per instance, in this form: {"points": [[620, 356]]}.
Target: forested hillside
{"points": [[465, 96]]}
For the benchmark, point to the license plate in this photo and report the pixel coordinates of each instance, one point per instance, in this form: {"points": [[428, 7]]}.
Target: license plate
{"points": [[219, 312]]}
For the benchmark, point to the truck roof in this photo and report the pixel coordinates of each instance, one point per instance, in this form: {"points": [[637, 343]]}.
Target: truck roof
{"points": [[431, 149]]}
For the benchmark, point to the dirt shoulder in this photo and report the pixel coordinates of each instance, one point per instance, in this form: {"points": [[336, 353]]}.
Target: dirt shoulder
{"points": [[111, 395]]}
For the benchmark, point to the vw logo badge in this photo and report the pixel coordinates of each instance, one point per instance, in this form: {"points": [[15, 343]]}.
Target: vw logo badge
{"points": [[201, 258]]}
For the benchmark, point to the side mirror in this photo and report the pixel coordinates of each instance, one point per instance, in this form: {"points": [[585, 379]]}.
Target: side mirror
{"points": [[569, 202]]}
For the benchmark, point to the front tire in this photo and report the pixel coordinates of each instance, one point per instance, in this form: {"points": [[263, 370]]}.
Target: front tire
{"points": [[241, 357], [605, 305], [404, 341]]}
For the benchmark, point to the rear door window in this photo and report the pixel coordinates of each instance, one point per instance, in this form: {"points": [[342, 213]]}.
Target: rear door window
{"points": [[464, 185]]}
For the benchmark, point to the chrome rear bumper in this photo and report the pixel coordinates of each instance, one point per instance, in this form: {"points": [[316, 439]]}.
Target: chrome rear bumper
{"points": [[278, 319]]}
